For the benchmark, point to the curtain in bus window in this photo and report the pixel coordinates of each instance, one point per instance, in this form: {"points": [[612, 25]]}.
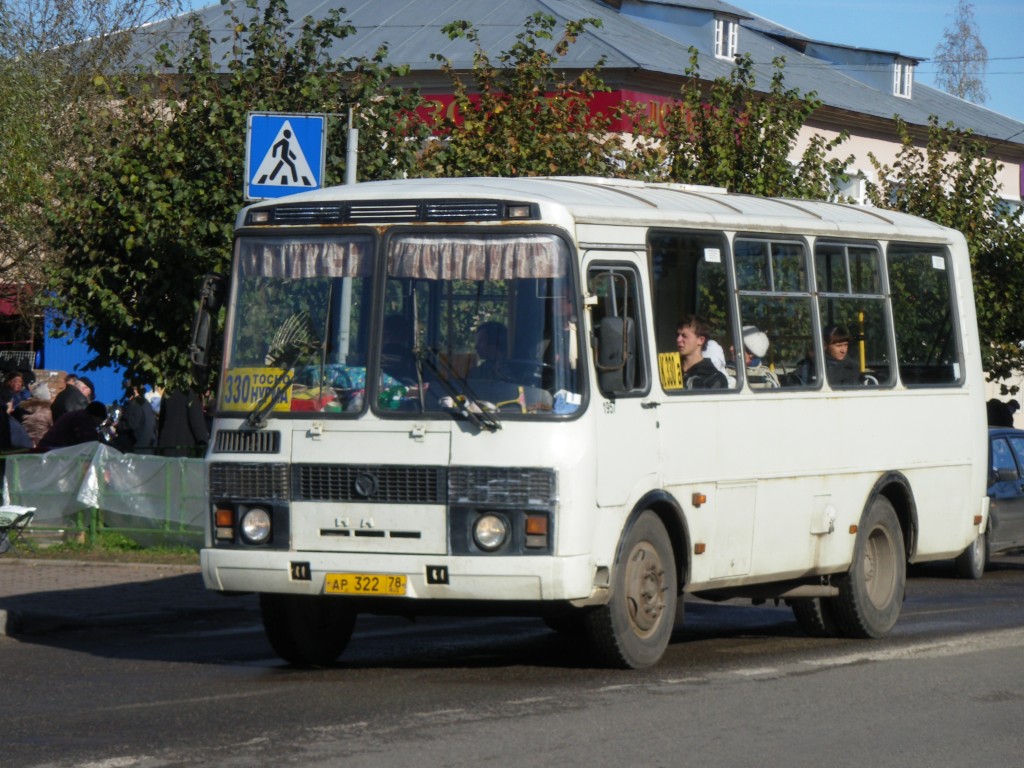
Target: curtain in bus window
{"points": [[927, 343], [447, 257], [306, 257]]}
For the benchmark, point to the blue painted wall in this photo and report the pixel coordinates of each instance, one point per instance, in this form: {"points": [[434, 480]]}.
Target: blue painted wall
{"points": [[70, 354]]}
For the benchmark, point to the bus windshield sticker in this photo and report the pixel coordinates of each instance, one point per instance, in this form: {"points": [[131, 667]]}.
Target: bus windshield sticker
{"points": [[244, 388]]}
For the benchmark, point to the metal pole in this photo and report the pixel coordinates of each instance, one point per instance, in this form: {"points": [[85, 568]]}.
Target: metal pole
{"points": [[351, 151]]}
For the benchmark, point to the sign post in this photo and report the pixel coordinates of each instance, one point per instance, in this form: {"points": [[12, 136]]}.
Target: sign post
{"points": [[284, 154]]}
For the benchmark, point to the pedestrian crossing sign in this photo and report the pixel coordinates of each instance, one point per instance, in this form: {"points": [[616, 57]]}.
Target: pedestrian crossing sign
{"points": [[284, 154]]}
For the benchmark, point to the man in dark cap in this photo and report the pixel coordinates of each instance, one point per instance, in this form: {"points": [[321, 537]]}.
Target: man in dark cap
{"points": [[74, 397]]}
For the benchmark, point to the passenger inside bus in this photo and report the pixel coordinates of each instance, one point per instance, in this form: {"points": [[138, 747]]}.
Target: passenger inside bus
{"points": [[755, 350], [491, 350], [699, 372], [840, 369]]}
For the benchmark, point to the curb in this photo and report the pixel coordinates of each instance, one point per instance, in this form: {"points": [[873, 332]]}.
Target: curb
{"points": [[10, 623]]}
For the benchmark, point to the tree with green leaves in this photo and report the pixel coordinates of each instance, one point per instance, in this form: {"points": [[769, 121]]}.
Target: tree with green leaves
{"points": [[731, 135], [150, 208], [961, 57], [521, 115], [951, 181], [49, 54]]}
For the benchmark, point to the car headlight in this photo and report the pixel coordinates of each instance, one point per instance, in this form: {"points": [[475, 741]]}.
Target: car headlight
{"points": [[490, 531], [256, 525]]}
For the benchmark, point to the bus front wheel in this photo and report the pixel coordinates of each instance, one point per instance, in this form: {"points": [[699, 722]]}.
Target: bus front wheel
{"points": [[307, 630], [871, 593], [633, 629]]}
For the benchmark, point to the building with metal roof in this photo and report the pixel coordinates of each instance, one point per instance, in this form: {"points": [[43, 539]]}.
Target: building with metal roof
{"points": [[645, 49]]}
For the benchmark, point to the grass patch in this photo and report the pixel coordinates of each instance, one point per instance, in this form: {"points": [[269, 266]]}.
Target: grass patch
{"points": [[112, 547]]}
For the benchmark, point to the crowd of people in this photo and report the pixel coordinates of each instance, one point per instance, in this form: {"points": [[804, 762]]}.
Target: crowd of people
{"points": [[148, 421]]}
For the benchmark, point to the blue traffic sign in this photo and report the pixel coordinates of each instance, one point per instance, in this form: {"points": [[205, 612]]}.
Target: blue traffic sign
{"points": [[284, 154]]}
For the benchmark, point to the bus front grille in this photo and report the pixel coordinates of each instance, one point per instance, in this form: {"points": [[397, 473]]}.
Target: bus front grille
{"points": [[249, 481], [375, 484], [247, 441]]}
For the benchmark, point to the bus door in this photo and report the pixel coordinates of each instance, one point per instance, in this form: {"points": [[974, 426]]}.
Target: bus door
{"points": [[627, 430]]}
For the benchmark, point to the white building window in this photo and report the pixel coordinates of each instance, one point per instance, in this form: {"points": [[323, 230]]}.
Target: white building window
{"points": [[853, 189], [903, 78], [727, 37]]}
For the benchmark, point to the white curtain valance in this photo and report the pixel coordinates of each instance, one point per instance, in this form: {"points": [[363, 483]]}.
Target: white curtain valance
{"points": [[447, 257], [306, 258]]}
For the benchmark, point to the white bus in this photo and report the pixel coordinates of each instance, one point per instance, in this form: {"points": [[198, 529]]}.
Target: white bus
{"points": [[467, 395]]}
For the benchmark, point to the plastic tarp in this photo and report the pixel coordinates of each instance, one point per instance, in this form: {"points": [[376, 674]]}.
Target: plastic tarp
{"points": [[151, 499]]}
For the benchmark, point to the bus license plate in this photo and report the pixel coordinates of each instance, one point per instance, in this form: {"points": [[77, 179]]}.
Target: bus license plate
{"points": [[364, 584]]}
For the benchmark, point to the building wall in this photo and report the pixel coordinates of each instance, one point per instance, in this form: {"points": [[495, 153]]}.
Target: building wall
{"points": [[992, 390], [885, 150]]}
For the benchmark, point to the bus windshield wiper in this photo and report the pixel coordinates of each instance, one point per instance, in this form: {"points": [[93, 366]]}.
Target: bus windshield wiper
{"points": [[257, 418], [293, 341], [464, 402]]}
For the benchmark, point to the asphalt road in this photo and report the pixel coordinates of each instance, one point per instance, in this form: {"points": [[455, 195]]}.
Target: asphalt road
{"points": [[739, 686]]}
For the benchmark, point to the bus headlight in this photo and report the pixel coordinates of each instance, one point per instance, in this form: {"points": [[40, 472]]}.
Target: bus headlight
{"points": [[490, 531], [256, 525]]}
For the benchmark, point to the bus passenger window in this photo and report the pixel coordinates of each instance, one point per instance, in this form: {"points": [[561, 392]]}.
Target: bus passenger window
{"points": [[689, 279], [852, 307], [927, 341], [775, 301]]}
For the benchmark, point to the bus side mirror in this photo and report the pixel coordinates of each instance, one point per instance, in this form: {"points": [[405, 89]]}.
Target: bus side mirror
{"points": [[211, 299], [616, 363]]}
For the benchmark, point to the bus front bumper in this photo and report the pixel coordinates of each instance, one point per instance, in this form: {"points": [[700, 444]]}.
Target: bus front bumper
{"points": [[427, 578]]}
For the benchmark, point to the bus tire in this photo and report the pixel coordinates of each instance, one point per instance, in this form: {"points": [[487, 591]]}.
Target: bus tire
{"points": [[970, 564], [307, 630], [816, 616], [570, 625], [871, 593], [633, 629]]}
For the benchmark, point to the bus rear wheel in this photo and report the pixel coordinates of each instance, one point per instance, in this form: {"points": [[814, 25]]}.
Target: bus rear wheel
{"points": [[871, 593], [633, 629], [971, 563], [816, 616], [307, 630]]}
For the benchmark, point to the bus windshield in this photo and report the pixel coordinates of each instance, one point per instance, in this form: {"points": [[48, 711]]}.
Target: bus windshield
{"points": [[472, 324]]}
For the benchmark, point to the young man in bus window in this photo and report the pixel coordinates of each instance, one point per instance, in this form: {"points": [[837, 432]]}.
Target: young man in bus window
{"points": [[698, 372]]}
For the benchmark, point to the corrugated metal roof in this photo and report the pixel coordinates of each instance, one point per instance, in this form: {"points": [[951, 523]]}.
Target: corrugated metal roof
{"points": [[412, 30]]}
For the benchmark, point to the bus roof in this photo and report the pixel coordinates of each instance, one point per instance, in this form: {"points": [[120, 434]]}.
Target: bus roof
{"points": [[592, 200]]}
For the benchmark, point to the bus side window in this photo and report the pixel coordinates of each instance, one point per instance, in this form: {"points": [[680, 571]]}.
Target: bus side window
{"points": [[852, 306], [619, 354], [688, 277], [775, 299], [927, 341]]}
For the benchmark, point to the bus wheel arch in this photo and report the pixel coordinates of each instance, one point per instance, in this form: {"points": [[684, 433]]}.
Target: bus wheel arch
{"points": [[673, 518], [634, 627], [871, 593], [895, 487]]}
